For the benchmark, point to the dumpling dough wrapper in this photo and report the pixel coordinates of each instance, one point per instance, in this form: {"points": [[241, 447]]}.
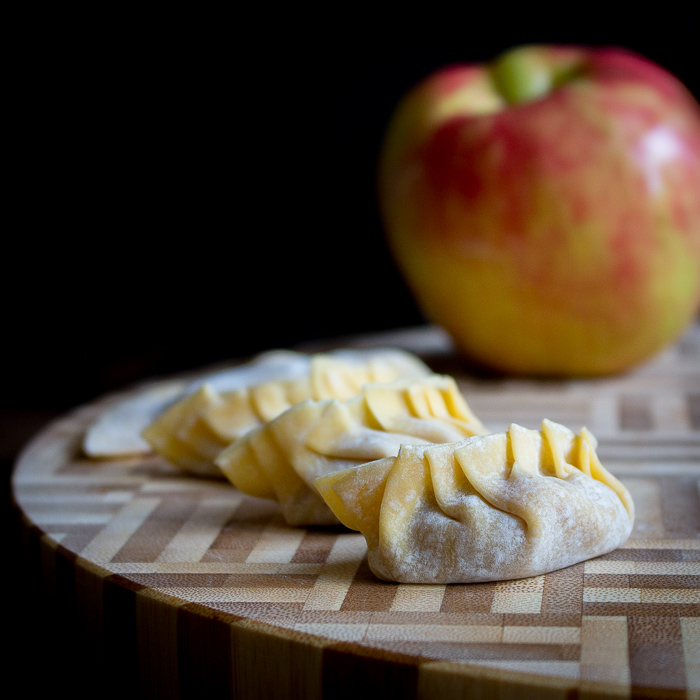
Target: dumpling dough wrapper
{"points": [[194, 430], [502, 506], [282, 459], [116, 432]]}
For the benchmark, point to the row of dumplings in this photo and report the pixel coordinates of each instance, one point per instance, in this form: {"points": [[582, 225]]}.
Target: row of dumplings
{"points": [[378, 442]]}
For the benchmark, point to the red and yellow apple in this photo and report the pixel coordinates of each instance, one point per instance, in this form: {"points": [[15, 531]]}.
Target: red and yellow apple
{"points": [[545, 208]]}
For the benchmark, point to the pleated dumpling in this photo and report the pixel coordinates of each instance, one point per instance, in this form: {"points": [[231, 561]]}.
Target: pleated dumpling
{"points": [[282, 459], [116, 432], [194, 430], [501, 506]]}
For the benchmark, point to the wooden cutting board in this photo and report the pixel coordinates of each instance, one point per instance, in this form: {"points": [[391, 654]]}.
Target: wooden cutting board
{"points": [[185, 585]]}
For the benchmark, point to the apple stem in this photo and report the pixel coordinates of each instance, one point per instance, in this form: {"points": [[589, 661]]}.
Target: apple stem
{"points": [[522, 74]]}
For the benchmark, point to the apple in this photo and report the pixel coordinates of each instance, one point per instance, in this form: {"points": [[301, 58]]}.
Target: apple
{"points": [[545, 208]]}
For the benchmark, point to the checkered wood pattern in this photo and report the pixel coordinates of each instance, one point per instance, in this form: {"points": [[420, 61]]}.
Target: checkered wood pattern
{"points": [[627, 622]]}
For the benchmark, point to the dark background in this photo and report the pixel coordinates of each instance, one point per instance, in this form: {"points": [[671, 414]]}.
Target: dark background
{"points": [[185, 191], [188, 197], [191, 194]]}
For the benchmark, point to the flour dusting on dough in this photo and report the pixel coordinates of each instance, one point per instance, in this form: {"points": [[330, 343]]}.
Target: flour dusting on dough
{"points": [[468, 511]]}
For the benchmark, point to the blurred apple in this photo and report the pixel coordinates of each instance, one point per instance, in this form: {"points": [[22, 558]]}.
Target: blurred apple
{"points": [[545, 208]]}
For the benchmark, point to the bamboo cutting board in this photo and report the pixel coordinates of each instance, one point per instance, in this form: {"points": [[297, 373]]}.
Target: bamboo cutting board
{"points": [[183, 586]]}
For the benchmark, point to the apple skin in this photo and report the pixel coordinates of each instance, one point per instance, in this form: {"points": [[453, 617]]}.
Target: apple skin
{"points": [[545, 208]]}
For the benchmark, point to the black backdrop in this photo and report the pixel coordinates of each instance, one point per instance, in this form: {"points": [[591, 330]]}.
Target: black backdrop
{"points": [[186, 190], [193, 193]]}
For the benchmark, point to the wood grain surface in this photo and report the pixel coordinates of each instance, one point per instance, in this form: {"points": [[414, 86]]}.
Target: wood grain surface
{"points": [[184, 586]]}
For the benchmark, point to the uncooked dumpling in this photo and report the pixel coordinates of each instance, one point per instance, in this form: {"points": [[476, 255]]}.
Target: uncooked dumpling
{"points": [[193, 431], [116, 432], [282, 459], [502, 506]]}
